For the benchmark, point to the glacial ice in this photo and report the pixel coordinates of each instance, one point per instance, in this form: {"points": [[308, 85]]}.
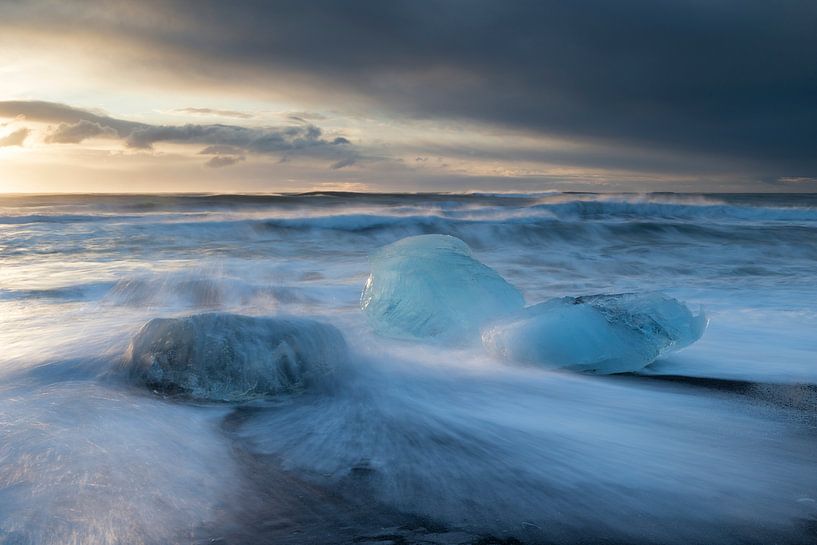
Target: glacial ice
{"points": [[430, 287], [597, 334], [229, 357]]}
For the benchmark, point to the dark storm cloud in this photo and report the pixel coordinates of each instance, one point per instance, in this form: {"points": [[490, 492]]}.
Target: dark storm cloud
{"points": [[729, 78], [734, 78], [76, 125], [16, 138]]}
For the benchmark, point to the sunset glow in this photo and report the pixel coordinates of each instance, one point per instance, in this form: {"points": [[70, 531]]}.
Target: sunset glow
{"points": [[235, 92]]}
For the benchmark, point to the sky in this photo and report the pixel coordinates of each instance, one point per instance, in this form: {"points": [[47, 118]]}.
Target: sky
{"points": [[408, 95]]}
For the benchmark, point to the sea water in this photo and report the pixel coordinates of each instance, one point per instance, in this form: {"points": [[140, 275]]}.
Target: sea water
{"points": [[410, 442]]}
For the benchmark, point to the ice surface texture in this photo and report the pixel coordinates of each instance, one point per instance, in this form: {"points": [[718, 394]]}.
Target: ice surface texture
{"points": [[228, 357], [429, 287], [597, 334]]}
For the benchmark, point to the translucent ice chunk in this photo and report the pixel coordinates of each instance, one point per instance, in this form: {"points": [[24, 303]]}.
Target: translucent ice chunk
{"points": [[597, 334], [228, 357], [430, 287]]}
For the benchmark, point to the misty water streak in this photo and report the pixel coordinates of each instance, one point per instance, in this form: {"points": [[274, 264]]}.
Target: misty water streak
{"points": [[715, 443]]}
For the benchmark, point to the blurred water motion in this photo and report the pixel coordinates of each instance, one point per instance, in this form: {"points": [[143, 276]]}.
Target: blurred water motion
{"points": [[434, 444]]}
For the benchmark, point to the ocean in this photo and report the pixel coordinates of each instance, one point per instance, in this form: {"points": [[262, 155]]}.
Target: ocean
{"points": [[412, 442]]}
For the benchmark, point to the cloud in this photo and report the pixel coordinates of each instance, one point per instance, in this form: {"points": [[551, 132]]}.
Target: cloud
{"points": [[74, 133], [76, 125], [16, 138], [223, 156], [220, 150], [728, 78], [724, 82], [796, 180], [345, 162], [55, 112], [304, 116], [259, 140], [224, 160], [214, 112]]}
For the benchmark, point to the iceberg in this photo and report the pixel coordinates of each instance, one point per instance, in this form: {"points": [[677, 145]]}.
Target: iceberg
{"points": [[596, 334], [229, 357], [429, 287]]}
